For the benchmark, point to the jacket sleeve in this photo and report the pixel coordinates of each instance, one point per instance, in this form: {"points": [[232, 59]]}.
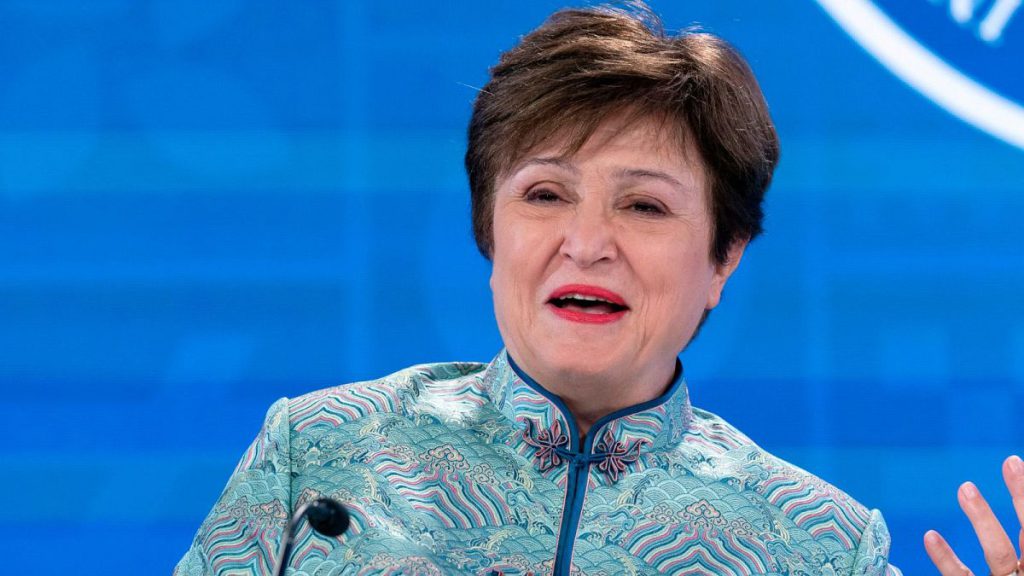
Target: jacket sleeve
{"points": [[872, 557], [242, 533]]}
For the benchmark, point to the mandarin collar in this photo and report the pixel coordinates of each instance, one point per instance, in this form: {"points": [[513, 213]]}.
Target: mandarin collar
{"points": [[653, 426]]}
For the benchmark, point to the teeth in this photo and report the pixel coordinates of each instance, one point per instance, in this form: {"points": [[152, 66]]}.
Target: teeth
{"points": [[585, 298]]}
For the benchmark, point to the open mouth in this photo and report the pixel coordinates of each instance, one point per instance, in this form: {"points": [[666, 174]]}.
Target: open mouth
{"points": [[587, 304]]}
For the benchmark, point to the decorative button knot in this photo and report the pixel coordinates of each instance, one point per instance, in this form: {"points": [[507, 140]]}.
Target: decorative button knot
{"points": [[550, 444], [611, 456], [617, 455]]}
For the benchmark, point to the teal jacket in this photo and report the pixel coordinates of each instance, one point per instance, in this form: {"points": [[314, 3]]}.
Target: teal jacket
{"points": [[467, 468]]}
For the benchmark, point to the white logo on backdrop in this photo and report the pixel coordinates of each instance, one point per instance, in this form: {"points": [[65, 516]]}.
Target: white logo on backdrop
{"points": [[950, 88]]}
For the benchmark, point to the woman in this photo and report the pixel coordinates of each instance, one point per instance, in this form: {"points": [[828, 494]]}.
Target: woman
{"points": [[616, 177]]}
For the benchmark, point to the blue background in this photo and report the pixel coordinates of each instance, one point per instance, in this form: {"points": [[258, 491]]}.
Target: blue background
{"points": [[205, 206]]}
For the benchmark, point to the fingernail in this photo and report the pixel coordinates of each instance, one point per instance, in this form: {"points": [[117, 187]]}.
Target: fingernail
{"points": [[1016, 466], [970, 491], [931, 537]]}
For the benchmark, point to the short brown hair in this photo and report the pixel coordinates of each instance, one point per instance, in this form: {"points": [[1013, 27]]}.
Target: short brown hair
{"points": [[583, 65]]}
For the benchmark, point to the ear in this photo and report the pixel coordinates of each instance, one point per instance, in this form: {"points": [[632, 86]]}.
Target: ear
{"points": [[724, 270]]}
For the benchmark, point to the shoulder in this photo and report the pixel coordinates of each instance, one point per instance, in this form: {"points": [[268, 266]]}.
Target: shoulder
{"points": [[794, 497], [414, 390]]}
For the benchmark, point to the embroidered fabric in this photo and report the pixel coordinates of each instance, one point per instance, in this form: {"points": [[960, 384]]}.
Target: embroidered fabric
{"points": [[465, 469]]}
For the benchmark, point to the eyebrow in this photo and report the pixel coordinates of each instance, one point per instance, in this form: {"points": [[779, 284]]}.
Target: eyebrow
{"points": [[550, 161], [645, 173], [624, 173]]}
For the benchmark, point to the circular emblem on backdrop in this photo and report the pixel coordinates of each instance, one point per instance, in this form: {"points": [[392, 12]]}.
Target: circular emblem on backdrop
{"points": [[965, 55]]}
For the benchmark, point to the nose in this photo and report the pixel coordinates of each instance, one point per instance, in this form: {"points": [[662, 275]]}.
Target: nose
{"points": [[589, 237]]}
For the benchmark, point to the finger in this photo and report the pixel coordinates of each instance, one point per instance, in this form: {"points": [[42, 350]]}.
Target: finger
{"points": [[999, 552], [1013, 475], [943, 556]]}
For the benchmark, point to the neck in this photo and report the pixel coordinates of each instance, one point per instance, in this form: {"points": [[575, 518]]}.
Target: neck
{"points": [[584, 417]]}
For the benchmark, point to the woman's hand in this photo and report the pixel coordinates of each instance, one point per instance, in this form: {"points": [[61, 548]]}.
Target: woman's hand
{"points": [[1000, 555]]}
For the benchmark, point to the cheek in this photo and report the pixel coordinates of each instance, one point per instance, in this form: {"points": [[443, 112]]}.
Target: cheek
{"points": [[507, 310], [522, 248], [502, 249], [510, 272], [677, 285], [502, 282]]}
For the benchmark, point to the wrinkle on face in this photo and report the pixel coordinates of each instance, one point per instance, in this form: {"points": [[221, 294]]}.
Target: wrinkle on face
{"points": [[596, 233]]}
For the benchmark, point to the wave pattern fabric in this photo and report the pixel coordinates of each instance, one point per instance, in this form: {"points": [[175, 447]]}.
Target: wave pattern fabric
{"points": [[466, 468]]}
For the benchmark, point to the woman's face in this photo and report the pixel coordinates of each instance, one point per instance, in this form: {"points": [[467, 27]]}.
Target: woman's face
{"points": [[602, 265]]}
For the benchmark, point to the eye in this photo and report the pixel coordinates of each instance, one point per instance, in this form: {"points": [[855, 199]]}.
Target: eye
{"points": [[542, 196], [646, 207]]}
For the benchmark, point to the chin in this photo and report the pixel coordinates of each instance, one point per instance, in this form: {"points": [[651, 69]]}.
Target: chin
{"points": [[582, 363]]}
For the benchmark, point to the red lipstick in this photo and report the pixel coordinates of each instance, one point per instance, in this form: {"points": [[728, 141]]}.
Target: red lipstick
{"points": [[587, 304]]}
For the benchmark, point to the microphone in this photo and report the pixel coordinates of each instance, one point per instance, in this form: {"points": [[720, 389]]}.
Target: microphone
{"points": [[325, 515]]}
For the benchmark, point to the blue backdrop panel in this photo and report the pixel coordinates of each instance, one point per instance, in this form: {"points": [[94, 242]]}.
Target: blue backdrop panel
{"points": [[207, 206]]}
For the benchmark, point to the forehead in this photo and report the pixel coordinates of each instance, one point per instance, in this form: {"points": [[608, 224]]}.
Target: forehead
{"points": [[643, 140]]}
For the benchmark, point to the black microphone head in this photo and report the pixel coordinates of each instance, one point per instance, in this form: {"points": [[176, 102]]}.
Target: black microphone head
{"points": [[328, 517]]}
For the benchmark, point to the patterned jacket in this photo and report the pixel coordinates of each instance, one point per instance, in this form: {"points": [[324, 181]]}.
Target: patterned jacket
{"points": [[476, 469]]}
